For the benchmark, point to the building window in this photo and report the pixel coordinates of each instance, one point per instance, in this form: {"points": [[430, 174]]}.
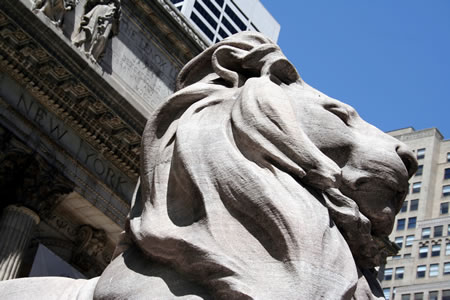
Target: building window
{"points": [[448, 156], [434, 270], [407, 255], [399, 271], [447, 268], [433, 295], [387, 293], [222, 33], [388, 274], [416, 187], [447, 173], [404, 206], [419, 170], [418, 296], [235, 18], [423, 251], [414, 205], [412, 222], [444, 208], [406, 297], [401, 224], [435, 250], [212, 7], [228, 25], [438, 230], [421, 153], [446, 295], [409, 240], [399, 241], [421, 270], [205, 14], [220, 2], [396, 257], [448, 230], [446, 190], [426, 232], [202, 25], [447, 249]]}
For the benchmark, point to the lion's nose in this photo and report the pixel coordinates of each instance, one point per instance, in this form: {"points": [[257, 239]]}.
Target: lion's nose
{"points": [[408, 158]]}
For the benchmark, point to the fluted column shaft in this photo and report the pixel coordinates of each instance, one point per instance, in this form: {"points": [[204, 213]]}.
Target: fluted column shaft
{"points": [[16, 229]]}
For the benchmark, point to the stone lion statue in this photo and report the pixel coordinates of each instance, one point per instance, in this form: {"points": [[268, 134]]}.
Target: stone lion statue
{"points": [[254, 185]]}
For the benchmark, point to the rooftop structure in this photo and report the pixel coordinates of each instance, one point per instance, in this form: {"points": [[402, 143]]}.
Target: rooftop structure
{"points": [[218, 19]]}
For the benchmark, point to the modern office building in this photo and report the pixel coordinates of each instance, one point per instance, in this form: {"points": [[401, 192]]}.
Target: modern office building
{"points": [[218, 19], [421, 270]]}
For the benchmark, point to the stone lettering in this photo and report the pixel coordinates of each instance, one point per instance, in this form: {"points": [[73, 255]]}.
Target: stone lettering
{"points": [[55, 128], [40, 115], [23, 102]]}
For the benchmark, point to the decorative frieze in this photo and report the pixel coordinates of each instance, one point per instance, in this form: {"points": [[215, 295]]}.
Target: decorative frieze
{"points": [[99, 22], [54, 9]]}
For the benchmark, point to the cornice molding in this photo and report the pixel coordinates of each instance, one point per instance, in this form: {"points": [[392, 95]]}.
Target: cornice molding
{"points": [[86, 103]]}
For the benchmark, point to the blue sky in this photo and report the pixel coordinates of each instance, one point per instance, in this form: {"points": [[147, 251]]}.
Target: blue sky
{"points": [[390, 59]]}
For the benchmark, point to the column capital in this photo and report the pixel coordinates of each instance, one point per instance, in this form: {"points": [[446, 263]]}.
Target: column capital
{"points": [[23, 210]]}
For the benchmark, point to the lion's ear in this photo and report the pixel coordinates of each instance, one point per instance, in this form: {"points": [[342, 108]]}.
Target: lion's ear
{"points": [[227, 63], [235, 65]]}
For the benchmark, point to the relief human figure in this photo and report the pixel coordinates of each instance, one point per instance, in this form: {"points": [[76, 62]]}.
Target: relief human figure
{"points": [[54, 9], [99, 22]]}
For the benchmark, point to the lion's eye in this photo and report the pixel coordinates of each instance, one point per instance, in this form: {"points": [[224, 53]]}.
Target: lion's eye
{"points": [[341, 112]]}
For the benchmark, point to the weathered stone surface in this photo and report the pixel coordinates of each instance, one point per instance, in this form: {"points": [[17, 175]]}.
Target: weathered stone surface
{"points": [[99, 22], [254, 185]]}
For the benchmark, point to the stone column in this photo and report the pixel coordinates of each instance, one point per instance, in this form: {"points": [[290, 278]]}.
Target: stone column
{"points": [[16, 230]]}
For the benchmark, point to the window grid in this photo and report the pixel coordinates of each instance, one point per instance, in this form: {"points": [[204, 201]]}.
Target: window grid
{"points": [[409, 240], [416, 187], [399, 241], [419, 171], [404, 206], [414, 205], [434, 270], [446, 268], [438, 230], [435, 250], [421, 153], [388, 274], [426, 232], [421, 271], [433, 295], [401, 224], [399, 272], [423, 252], [446, 190], [412, 222]]}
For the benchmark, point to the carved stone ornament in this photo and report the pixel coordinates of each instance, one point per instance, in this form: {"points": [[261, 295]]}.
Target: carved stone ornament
{"points": [[254, 185], [99, 22], [54, 9]]}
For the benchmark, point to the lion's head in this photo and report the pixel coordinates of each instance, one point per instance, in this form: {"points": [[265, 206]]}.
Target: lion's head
{"points": [[248, 172]]}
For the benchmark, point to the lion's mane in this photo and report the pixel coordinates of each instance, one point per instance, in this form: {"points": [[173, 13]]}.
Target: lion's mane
{"points": [[234, 194]]}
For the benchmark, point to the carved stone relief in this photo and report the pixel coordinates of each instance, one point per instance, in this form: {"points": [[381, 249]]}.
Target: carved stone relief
{"points": [[54, 9], [100, 21], [90, 244]]}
